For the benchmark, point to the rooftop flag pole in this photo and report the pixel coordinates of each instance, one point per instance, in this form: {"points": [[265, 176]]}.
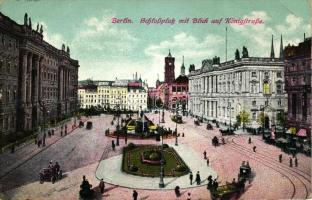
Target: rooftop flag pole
{"points": [[225, 44]]}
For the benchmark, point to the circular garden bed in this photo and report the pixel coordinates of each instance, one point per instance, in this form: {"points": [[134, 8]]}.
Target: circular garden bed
{"points": [[145, 160]]}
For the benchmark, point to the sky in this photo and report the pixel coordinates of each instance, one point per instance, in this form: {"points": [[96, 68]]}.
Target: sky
{"points": [[107, 50]]}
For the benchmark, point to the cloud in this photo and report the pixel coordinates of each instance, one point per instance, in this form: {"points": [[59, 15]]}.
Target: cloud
{"points": [[259, 36], [98, 38], [55, 39], [193, 49]]}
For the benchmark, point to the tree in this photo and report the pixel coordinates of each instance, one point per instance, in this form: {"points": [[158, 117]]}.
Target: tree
{"points": [[261, 118], [159, 103], [281, 118], [244, 116], [238, 120], [149, 103]]}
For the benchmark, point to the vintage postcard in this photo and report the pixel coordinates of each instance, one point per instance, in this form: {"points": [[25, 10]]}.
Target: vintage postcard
{"points": [[155, 100]]}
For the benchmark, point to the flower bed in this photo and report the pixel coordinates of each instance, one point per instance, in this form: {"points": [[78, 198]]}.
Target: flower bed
{"points": [[136, 163]]}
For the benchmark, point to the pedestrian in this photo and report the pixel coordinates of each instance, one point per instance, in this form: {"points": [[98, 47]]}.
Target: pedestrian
{"points": [[13, 148], [43, 140], [290, 162], [39, 143], [61, 130], [249, 140], [191, 178], [183, 134], [205, 154], [207, 161], [254, 149], [65, 129], [113, 145], [188, 196], [135, 195], [296, 162], [215, 184], [126, 139], [280, 158], [177, 191], [102, 186], [197, 178]]}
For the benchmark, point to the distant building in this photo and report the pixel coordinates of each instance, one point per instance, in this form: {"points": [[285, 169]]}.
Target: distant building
{"points": [[173, 91], [125, 94], [298, 86], [38, 82], [220, 91]]}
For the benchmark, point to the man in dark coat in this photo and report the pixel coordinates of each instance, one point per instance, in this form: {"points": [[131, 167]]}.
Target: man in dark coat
{"points": [[191, 178], [135, 195], [102, 186], [197, 178]]}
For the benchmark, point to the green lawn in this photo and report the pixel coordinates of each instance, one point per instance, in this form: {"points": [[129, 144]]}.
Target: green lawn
{"points": [[133, 157]]}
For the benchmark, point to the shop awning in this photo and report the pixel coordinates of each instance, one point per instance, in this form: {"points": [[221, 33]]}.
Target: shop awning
{"points": [[302, 132]]}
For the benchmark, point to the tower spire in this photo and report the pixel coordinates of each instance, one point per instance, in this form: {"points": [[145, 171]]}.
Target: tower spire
{"points": [[183, 67], [272, 49], [281, 49], [169, 55]]}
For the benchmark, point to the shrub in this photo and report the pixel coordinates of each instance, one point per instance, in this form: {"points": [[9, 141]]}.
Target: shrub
{"points": [[180, 168], [131, 146], [133, 168], [154, 156]]}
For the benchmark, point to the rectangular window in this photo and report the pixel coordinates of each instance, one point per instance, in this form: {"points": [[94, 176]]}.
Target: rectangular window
{"points": [[279, 89], [254, 103], [253, 74]]}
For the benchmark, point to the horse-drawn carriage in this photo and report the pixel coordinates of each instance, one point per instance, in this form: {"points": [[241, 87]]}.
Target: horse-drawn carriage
{"points": [[81, 124], [244, 173], [196, 122], [234, 189], [50, 174], [89, 125], [209, 127], [226, 131]]}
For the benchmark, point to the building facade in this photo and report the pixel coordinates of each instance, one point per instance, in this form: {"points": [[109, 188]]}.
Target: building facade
{"points": [[173, 92], [298, 86], [37, 81], [220, 91], [122, 94]]}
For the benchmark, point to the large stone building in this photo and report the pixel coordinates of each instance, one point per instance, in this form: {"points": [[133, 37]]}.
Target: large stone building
{"points": [[220, 91], [298, 86], [37, 80]]}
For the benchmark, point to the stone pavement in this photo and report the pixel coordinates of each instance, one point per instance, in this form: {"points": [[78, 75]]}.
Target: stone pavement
{"points": [[81, 153], [10, 161], [117, 177]]}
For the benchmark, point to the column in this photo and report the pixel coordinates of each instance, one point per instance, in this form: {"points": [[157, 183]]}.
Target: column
{"points": [[61, 85], [261, 81], [216, 111], [248, 82], [24, 71], [244, 82], [36, 89], [29, 71]]}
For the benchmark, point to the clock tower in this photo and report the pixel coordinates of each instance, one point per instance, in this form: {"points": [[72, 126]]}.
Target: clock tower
{"points": [[169, 68]]}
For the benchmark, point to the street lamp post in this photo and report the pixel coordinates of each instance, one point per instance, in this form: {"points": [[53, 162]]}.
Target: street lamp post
{"points": [[230, 110], [161, 181], [176, 129]]}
